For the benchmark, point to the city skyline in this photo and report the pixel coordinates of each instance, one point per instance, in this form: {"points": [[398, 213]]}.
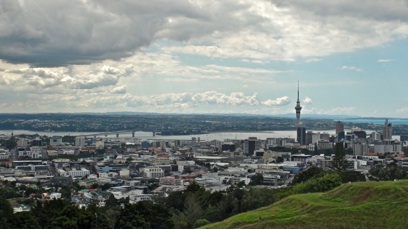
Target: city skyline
{"points": [[204, 57]]}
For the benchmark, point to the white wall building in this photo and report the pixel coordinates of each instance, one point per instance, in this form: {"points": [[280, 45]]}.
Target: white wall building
{"points": [[35, 152], [80, 141], [124, 173], [360, 148], [79, 173], [152, 172], [56, 141]]}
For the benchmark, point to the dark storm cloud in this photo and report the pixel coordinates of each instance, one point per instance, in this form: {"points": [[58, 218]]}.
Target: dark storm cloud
{"points": [[59, 32], [47, 33]]}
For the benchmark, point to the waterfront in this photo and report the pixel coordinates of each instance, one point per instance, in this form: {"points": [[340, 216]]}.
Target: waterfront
{"points": [[149, 135]]}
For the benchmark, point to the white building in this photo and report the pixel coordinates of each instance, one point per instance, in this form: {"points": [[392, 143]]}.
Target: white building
{"points": [[79, 173], [35, 152], [324, 144], [56, 141], [4, 154], [360, 148], [124, 173], [100, 144], [22, 142], [311, 147], [152, 172], [80, 141]]}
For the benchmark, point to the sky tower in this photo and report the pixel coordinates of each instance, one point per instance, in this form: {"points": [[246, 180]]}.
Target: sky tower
{"points": [[298, 108]]}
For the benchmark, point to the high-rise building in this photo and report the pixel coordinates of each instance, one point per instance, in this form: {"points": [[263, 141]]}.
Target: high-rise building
{"points": [[301, 134], [80, 141], [36, 142], [340, 131], [250, 145], [339, 127], [309, 137], [387, 133]]}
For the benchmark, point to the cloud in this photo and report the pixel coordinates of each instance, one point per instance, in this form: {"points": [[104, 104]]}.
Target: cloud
{"points": [[62, 78], [119, 90], [277, 102], [57, 32], [254, 61], [341, 110], [234, 98], [194, 102], [352, 68], [307, 100], [60, 33], [313, 60], [385, 60], [402, 110]]}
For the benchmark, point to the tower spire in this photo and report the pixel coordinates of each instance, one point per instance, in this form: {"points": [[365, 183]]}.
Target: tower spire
{"points": [[298, 108], [298, 93]]}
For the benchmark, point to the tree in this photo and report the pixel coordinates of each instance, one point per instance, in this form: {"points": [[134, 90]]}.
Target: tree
{"points": [[308, 174], [193, 187], [24, 220], [320, 184], [352, 176], [6, 212], [200, 222], [390, 171], [256, 179], [144, 214], [192, 209], [176, 200], [111, 202], [339, 162], [279, 159], [11, 143], [257, 197], [179, 220]]}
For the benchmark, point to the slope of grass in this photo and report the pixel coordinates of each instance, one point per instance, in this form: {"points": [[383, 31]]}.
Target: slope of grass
{"points": [[356, 205]]}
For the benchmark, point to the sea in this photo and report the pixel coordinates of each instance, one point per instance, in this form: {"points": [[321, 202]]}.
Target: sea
{"points": [[221, 136], [379, 121]]}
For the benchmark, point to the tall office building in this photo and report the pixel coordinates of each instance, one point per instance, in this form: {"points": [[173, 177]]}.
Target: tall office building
{"points": [[387, 133], [301, 134], [339, 127], [340, 131], [300, 129], [251, 144], [36, 142], [80, 141]]}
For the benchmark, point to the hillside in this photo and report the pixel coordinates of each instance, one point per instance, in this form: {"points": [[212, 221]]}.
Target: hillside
{"points": [[357, 205]]}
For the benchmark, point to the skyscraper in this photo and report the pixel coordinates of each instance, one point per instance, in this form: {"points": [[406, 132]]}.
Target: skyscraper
{"points": [[340, 131], [387, 133], [339, 127], [301, 134], [250, 145]]}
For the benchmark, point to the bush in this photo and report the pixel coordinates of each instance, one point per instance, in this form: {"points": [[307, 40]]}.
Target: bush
{"points": [[201, 222], [319, 184]]}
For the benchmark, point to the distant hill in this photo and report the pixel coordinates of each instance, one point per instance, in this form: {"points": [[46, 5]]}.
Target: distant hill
{"points": [[357, 205]]}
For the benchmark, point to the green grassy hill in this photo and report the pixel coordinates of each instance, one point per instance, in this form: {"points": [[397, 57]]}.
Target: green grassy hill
{"points": [[357, 205]]}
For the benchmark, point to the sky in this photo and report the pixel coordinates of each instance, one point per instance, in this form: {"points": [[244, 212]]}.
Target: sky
{"points": [[204, 56]]}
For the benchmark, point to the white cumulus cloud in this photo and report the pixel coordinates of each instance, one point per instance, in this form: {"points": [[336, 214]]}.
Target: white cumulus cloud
{"points": [[307, 100], [281, 101]]}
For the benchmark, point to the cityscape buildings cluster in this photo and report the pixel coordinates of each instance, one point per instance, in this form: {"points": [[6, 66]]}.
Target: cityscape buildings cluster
{"points": [[138, 169]]}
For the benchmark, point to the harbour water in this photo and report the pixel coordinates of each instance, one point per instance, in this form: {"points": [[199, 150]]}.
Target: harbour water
{"points": [[149, 135]]}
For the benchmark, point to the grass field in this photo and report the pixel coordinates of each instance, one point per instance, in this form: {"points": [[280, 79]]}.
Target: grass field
{"points": [[357, 205]]}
